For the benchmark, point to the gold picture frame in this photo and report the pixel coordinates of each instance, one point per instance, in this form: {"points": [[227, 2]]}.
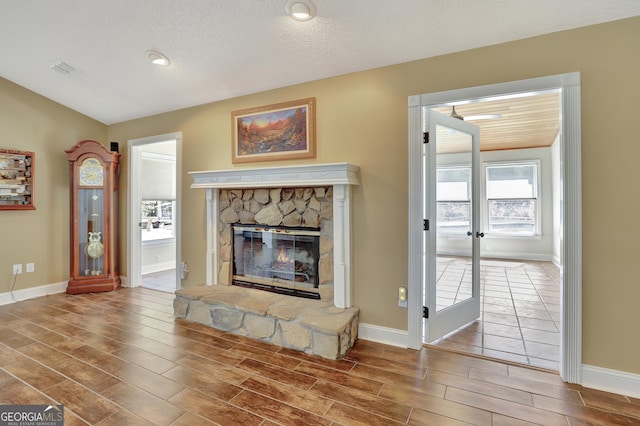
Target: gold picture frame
{"points": [[283, 131]]}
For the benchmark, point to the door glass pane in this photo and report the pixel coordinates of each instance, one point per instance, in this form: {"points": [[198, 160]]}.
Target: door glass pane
{"points": [[454, 199], [454, 217]]}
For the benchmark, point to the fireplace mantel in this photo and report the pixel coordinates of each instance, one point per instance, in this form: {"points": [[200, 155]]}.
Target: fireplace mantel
{"points": [[279, 177], [338, 175]]}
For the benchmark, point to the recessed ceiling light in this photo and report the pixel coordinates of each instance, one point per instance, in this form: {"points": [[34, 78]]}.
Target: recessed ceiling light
{"points": [[157, 58], [300, 10]]}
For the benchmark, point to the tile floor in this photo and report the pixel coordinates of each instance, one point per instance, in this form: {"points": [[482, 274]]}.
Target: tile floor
{"points": [[520, 310], [161, 281]]}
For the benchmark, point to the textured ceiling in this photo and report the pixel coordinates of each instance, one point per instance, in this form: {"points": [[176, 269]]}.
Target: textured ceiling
{"points": [[221, 49]]}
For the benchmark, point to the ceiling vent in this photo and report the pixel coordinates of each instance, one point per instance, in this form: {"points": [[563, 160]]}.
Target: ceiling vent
{"points": [[62, 67]]}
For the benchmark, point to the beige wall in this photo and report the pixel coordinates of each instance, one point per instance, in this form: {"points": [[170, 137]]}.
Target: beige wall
{"points": [[362, 119], [29, 122]]}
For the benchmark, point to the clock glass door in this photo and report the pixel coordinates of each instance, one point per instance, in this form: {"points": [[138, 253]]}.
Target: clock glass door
{"points": [[90, 231]]}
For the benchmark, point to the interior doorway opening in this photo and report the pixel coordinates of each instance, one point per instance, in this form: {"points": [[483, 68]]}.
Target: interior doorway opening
{"points": [[569, 255], [154, 216], [519, 213]]}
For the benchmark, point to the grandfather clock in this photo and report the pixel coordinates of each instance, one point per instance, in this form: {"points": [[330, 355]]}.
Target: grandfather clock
{"points": [[94, 224]]}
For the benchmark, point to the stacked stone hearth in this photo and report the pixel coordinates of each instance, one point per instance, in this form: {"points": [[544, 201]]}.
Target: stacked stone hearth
{"points": [[312, 326]]}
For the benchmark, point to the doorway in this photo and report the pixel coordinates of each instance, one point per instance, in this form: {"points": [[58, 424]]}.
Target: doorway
{"points": [[569, 252], [154, 214], [505, 206]]}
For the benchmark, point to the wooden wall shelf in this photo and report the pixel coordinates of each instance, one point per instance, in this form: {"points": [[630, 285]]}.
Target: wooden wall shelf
{"points": [[16, 180]]}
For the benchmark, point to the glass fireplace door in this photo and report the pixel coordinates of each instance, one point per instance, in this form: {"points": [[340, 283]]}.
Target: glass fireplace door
{"points": [[283, 260]]}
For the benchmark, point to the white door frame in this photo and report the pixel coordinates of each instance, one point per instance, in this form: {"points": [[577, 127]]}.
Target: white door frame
{"points": [[134, 214], [571, 202]]}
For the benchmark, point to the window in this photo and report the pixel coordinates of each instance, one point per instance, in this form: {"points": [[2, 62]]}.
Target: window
{"points": [[512, 198], [454, 199], [158, 193], [157, 219]]}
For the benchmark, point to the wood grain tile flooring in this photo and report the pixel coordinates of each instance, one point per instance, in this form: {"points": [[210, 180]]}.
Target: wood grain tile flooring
{"points": [[120, 358]]}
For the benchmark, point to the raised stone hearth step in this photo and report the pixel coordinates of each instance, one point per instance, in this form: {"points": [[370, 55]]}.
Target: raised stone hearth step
{"points": [[311, 326]]}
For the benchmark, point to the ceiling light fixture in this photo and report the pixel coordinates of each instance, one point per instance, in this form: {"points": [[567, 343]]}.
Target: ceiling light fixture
{"points": [[157, 58], [300, 10], [455, 114], [483, 117]]}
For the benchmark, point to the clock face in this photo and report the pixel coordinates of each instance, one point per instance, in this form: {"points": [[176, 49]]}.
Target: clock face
{"points": [[91, 172]]}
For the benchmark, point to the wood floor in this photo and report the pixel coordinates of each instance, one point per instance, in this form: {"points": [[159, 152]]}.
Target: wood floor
{"points": [[120, 358]]}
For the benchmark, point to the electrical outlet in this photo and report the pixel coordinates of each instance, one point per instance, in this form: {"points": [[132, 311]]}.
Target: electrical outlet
{"points": [[31, 267], [183, 270], [17, 269]]}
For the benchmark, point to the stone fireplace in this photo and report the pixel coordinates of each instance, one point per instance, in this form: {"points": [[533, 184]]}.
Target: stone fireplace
{"points": [[287, 230], [309, 196]]}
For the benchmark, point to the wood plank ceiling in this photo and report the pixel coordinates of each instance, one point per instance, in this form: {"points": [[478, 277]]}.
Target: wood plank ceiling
{"points": [[529, 121]]}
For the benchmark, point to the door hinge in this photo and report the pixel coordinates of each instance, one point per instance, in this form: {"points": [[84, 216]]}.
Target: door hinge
{"points": [[425, 224], [425, 312], [425, 137]]}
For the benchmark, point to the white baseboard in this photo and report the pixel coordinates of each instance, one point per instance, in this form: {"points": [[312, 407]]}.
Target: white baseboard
{"points": [[157, 267], [124, 281], [511, 255], [32, 293], [518, 256], [386, 335], [604, 379], [614, 381]]}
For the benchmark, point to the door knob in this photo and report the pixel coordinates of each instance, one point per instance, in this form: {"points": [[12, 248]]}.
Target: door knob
{"points": [[469, 233], [479, 234]]}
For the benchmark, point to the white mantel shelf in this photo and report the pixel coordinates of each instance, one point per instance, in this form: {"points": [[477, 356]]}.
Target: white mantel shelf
{"points": [[340, 176], [276, 177]]}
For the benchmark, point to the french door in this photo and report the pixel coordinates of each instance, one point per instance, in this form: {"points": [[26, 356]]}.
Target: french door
{"points": [[570, 208], [452, 237]]}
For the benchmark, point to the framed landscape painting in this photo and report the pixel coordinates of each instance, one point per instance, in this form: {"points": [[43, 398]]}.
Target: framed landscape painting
{"points": [[281, 131]]}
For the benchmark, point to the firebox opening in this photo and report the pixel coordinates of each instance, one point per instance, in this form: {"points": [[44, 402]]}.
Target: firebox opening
{"points": [[278, 259]]}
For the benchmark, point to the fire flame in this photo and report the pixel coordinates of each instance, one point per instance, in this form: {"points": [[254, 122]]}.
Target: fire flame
{"points": [[282, 256]]}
